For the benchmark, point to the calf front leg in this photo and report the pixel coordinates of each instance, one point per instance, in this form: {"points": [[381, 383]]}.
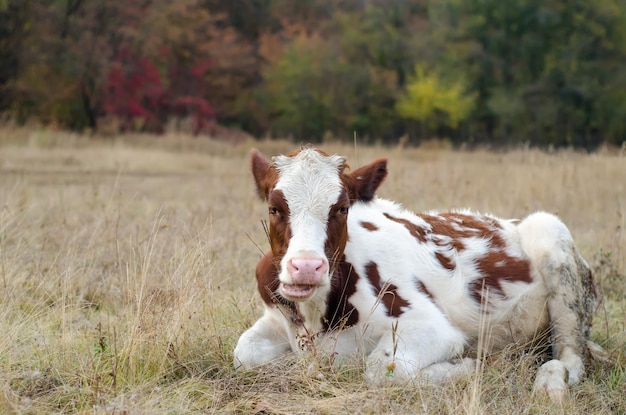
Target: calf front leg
{"points": [[418, 351], [265, 341]]}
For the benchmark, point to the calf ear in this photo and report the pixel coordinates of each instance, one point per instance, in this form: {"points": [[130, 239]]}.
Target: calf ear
{"points": [[264, 175], [364, 181]]}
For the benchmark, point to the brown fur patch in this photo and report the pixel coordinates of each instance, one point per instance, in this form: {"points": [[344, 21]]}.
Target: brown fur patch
{"points": [[362, 183], [445, 261], [267, 278], [264, 173], [267, 284], [459, 225], [340, 313], [498, 267], [422, 287], [280, 232], [369, 226], [416, 231], [387, 292], [337, 229]]}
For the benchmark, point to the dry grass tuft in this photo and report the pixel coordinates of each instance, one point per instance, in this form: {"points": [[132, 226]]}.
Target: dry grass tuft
{"points": [[126, 277]]}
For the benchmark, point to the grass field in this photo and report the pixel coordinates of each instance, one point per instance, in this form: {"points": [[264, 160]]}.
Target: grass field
{"points": [[126, 277]]}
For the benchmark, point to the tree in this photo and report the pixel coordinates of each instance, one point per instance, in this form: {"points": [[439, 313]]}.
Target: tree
{"points": [[142, 61], [543, 71], [14, 24], [434, 103], [346, 79]]}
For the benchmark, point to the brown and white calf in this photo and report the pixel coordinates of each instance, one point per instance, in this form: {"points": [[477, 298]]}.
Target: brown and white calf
{"points": [[353, 274]]}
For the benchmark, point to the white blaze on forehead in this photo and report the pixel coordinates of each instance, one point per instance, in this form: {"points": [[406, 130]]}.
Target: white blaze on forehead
{"points": [[311, 184]]}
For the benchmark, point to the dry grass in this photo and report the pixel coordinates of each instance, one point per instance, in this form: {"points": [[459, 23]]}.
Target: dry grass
{"points": [[126, 277]]}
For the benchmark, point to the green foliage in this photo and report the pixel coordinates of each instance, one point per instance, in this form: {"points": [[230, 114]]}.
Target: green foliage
{"points": [[295, 84], [345, 79], [431, 101], [314, 91], [544, 72]]}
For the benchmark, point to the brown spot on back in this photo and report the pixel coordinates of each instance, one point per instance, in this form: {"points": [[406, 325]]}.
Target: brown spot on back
{"points": [[369, 226], [456, 226], [387, 292], [449, 230], [460, 225], [497, 267], [416, 231]]}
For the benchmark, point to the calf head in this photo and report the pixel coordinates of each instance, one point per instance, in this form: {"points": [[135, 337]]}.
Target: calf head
{"points": [[309, 195]]}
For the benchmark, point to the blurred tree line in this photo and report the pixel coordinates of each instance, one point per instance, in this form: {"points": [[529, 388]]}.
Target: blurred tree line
{"points": [[545, 72]]}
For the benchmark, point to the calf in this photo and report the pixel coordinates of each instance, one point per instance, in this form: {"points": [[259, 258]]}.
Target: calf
{"points": [[353, 274]]}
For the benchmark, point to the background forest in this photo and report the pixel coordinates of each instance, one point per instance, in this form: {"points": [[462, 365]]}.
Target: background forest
{"points": [[541, 72]]}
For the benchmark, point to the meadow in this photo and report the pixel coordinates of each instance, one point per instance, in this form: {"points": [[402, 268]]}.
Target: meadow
{"points": [[127, 276]]}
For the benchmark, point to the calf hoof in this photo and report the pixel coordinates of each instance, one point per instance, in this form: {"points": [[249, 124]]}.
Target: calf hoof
{"points": [[552, 379]]}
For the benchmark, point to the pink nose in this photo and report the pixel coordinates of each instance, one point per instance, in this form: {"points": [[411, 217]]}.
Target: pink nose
{"points": [[306, 271]]}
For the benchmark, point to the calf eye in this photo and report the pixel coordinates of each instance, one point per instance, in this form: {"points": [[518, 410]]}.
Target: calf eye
{"points": [[273, 211], [343, 210]]}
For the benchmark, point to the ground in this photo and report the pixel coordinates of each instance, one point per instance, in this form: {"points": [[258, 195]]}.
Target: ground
{"points": [[126, 272]]}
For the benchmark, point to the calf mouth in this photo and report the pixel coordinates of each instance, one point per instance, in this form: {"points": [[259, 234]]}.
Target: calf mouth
{"points": [[297, 292]]}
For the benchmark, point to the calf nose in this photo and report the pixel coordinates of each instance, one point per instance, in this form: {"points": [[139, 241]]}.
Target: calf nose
{"points": [[306, 271]]}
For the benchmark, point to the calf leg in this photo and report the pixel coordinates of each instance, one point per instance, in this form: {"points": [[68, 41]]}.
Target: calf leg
{"points": [[415, 348], [571, 300], [263, 342], [438, 373], [571, 303]]}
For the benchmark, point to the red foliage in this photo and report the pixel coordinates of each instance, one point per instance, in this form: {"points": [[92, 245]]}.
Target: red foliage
{"points": [[201, 67], [135, 91]]}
